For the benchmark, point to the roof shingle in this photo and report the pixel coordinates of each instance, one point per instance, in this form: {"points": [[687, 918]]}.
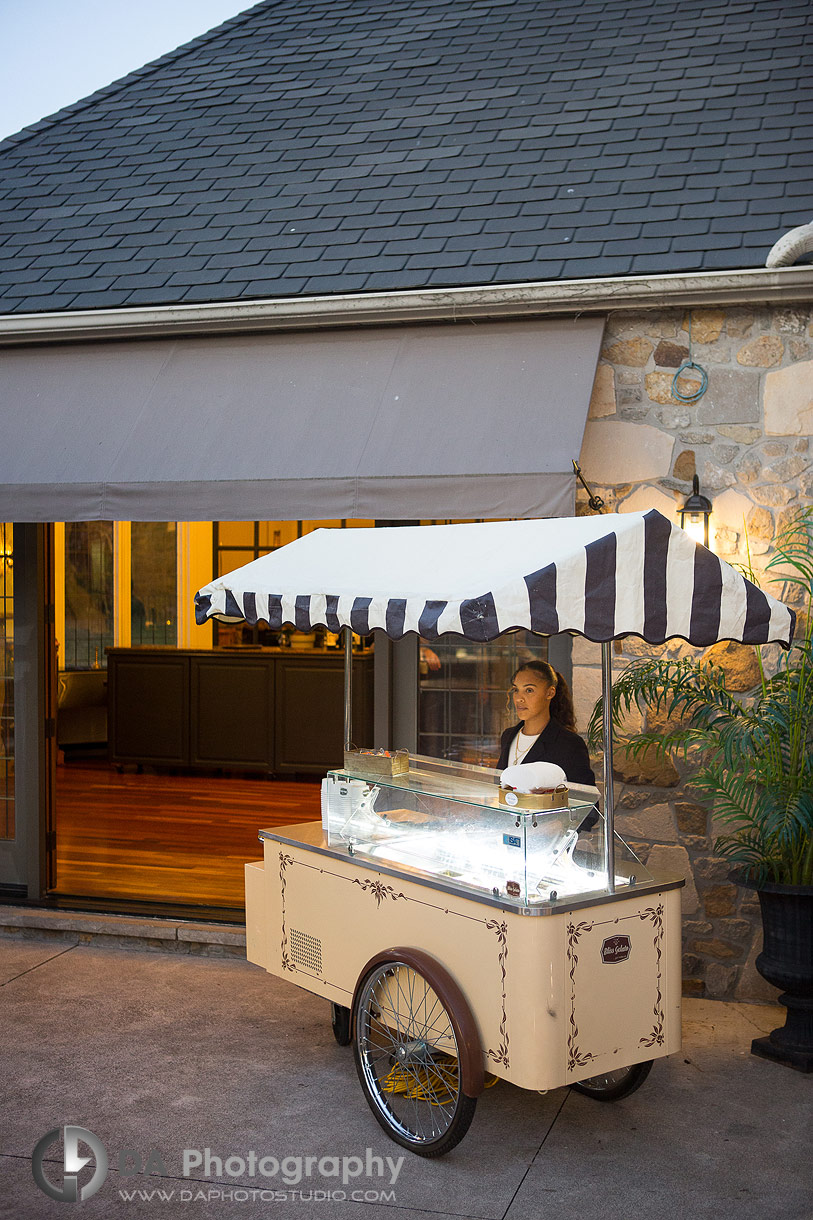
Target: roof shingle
{"points": [[328, 146]]}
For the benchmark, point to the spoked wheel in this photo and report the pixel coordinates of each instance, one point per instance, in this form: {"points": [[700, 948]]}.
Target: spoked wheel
{"points": [[340, 1020], [612, 1086], [408, 1060]]}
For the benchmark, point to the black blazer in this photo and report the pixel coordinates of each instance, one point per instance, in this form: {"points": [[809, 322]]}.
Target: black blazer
{"points": [[555, 744]]}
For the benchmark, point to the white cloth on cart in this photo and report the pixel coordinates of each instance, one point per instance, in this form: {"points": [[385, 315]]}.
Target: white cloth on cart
{"points": [[528, 777]]}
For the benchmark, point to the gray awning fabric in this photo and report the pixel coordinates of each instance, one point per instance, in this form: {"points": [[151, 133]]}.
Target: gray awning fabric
{"points": [[397, 422]]}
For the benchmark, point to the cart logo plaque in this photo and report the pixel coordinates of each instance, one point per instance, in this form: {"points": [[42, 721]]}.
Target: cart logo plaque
{"points": [[615, 949]]}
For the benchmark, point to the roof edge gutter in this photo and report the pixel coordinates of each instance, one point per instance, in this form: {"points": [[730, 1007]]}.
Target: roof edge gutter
{"points": [[490, 301]]}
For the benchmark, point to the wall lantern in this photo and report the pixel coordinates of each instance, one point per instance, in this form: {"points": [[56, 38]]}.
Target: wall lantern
{"points": [[696, 514]]}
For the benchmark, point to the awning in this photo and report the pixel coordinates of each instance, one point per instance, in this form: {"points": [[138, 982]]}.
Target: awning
{"points": [[454, 421], [603, 577]]}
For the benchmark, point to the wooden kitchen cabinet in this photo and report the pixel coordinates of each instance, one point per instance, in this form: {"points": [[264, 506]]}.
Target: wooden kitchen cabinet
{"points": [[274, 710], [148, 706], [309, 712]]}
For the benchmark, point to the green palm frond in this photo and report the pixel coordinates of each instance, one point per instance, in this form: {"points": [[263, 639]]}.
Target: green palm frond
{"points": [[679, 689]]}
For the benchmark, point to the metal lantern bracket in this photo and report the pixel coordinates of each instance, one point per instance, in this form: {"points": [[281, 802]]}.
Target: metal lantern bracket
{"points": [[595, 502], [697, 504]]}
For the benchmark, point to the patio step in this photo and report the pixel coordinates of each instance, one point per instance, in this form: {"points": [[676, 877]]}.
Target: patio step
{"points": [[123, 931]]}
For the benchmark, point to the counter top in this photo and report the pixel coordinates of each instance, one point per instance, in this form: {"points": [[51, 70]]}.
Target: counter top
{"points": [[311, 836]]}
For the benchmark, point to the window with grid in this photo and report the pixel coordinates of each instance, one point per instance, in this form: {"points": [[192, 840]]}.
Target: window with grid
{"points": [[463, 704], [88, 593], [154, 591], [237, 543]]}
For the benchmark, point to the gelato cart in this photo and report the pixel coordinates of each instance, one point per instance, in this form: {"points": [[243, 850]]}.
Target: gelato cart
{"points": [[461, 931]]}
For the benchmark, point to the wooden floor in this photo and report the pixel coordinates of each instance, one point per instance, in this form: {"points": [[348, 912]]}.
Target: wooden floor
{"points": [[167, 838]]}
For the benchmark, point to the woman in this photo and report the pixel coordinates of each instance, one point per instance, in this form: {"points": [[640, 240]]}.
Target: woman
{"points": [[547, 732]]}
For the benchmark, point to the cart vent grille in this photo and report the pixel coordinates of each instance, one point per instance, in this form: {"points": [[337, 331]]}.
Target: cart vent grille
{"points": [[306, 951]]}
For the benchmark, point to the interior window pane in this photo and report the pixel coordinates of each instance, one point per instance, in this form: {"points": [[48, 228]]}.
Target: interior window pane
{"points": [[88, 593], [154, 582], [309, 526], [462, 694], [465, 711], [259, 539], [229, 559], [433, 711], [274, 534], [236, 533]]}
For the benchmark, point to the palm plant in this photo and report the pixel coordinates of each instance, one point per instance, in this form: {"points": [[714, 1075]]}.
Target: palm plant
{"points": [[755, 754]]}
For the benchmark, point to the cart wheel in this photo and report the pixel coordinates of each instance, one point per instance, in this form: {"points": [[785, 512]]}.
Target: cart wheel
{"points": [[340, 1020], [408, 1059], [612, 1086]]}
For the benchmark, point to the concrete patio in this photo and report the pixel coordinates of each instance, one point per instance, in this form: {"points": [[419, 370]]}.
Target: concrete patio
{"points": [[162, 1052]]}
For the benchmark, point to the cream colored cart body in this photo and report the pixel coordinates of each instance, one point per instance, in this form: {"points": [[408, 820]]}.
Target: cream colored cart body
{"points": [[453, 935], [500, 913]]}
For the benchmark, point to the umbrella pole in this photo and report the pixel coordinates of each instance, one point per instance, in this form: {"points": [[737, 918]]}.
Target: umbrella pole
{"points": [[609, 799], [348, 688]]}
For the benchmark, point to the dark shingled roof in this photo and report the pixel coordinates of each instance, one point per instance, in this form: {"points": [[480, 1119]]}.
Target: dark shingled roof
{"points": [[325, 146]]}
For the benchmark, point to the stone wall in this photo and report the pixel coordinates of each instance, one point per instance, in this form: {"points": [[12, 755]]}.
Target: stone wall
{"points": [[748, 440]]}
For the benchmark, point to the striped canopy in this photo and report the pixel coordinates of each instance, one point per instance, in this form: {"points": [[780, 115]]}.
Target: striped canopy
{"points": [[602, 577]]}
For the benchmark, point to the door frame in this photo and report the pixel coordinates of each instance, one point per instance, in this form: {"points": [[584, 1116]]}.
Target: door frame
{"points": [[28, 861]]}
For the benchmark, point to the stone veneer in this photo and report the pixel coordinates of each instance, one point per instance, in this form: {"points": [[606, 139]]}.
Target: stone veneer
{"points": [[748, 440]]}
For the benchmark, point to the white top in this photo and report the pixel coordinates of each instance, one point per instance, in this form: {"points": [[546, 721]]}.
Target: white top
{"points": [[520, 747]]}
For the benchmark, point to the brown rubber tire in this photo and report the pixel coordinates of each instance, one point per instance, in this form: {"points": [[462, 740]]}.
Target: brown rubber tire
{"points": [[427, 1122], [612, 1086]]}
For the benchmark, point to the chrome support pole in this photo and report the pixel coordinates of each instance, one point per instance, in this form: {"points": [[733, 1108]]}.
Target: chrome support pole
{"points": [[609, 798], [348, 687]]}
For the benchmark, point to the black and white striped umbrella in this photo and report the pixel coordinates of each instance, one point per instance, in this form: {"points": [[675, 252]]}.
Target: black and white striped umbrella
{"points": [[602, 577]]}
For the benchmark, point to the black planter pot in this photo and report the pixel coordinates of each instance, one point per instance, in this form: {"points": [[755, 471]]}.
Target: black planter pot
{"points": [[786, 961]]}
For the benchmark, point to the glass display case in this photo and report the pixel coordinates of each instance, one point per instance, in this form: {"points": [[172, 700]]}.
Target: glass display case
{"points": [[449, 822]]}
